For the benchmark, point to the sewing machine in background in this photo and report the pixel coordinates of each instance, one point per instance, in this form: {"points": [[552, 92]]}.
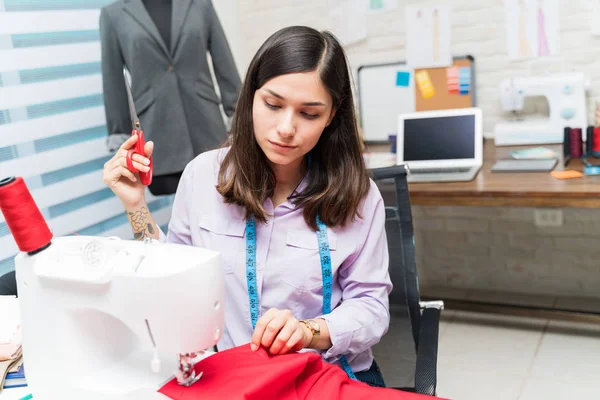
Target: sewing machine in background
{"points": [[565, 93], [107, 319]]}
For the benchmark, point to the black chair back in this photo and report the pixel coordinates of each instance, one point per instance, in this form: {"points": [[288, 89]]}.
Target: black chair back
{"points": [[393, 185]]}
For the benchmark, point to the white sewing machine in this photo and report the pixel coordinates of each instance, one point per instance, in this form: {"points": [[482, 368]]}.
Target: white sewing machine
{"points": [[108, 319], [565, 93]]}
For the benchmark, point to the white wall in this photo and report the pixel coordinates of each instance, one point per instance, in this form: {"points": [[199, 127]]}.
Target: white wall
{"points": [[478, 29], [229, 15]]}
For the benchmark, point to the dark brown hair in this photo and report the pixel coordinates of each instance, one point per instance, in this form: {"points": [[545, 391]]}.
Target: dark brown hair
{"points": [[337, 177]]}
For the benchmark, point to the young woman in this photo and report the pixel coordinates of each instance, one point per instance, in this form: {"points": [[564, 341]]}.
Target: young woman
{"points": [[289, 205]]}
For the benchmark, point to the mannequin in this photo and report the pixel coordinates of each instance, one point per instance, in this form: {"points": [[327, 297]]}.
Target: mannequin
{"points": [[162, 43]]}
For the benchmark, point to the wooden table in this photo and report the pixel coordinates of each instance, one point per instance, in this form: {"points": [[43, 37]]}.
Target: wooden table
{"points": [[521, 189]]}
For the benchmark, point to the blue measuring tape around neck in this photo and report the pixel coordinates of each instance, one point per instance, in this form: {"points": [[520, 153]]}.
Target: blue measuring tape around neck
{"points": [[326, 272]]}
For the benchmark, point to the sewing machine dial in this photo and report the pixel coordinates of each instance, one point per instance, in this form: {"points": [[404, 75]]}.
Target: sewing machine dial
{"points": [[77, 259], [94, 254]]}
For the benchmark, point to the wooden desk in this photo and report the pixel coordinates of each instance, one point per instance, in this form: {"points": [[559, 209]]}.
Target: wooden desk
{"points": [[521, 189]]}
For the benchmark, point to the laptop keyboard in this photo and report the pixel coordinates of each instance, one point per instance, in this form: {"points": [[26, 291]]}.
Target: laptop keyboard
{"points": [[439, 170]]}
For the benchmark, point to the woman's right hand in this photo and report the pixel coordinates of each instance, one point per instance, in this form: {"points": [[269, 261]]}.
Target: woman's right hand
{"points": [[125, 184]]}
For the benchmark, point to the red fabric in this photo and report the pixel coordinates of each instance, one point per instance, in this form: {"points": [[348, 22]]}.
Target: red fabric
{"points": [[240, 373]]}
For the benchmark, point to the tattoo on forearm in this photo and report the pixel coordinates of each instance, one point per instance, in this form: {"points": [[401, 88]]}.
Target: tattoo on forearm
{"points": [[140, 221]]}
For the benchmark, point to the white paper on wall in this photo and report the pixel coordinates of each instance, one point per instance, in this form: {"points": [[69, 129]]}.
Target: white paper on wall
{"points": [[348, 21], [532, 28], [428, 36]]}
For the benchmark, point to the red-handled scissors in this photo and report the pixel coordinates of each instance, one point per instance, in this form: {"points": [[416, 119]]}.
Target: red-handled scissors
{"points": [[145, 177]]}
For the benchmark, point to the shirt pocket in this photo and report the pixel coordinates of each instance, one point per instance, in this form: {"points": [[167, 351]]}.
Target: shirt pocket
{"points": [[303, 269], [225, 236]]}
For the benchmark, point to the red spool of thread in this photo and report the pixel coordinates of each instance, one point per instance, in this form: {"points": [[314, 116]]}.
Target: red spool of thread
{"points": [[575, 143], [596, 140], [23, 217]]}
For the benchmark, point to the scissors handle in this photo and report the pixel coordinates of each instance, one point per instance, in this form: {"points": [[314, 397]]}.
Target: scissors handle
{"points": [[145, 177]]}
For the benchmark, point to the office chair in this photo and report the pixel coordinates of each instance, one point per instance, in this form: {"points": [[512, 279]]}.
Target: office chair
{"points": [[424, 317]]}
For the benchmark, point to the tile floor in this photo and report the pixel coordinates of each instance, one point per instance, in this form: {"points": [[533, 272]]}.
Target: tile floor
{"points": [[497, 357]]}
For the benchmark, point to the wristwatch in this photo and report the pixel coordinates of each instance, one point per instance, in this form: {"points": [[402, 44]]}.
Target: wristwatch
{"points": [[315, 328]]}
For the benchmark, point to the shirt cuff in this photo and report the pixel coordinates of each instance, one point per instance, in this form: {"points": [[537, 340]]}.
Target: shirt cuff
{"points": [[340, 341]]}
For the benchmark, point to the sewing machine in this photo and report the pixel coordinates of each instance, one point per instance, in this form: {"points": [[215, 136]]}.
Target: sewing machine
{"points": [[565, 93], [108, 319]]}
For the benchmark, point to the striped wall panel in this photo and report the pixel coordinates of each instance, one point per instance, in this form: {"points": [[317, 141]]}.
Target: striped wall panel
{"points": [[52, 126]]}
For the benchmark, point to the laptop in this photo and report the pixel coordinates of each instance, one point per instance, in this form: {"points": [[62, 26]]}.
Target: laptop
{"points": [[440, 145]]}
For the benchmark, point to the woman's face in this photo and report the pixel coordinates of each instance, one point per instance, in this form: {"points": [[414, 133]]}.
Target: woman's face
{"points": [[290, 113]]}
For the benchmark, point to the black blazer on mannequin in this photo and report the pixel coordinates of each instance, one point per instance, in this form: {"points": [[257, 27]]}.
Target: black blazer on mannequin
{"points": [[172, 85]]}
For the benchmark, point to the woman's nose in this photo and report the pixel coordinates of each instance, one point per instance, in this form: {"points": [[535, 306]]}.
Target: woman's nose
{"points": [[286, 126]]}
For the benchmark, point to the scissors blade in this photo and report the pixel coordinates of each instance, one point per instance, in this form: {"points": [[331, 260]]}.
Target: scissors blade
{"points": [[135, 121]]}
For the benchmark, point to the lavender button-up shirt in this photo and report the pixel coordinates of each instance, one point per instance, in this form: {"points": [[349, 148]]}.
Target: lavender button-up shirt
{"points": [[288, 263]]}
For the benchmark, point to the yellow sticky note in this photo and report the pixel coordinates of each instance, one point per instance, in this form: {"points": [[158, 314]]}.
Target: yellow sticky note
{"points": [[424, 83]]}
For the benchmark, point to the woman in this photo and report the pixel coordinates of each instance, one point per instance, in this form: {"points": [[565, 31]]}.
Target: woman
{"points": [[292, 185]]}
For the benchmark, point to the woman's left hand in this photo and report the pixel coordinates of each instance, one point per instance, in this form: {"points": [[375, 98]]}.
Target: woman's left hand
{"points": [[280, 332]]}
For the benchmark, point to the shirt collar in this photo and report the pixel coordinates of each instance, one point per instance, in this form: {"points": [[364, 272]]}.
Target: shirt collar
{"points": [[299, 189]]}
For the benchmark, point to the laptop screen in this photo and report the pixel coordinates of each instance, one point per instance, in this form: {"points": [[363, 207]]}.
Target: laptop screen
{"points": [[439, 138]]}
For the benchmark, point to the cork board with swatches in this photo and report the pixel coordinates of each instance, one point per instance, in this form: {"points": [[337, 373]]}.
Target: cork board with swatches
{"points": [[386, 90]]}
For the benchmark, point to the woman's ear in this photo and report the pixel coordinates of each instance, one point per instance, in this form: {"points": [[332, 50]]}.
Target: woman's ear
{"points": [[333, 110]]}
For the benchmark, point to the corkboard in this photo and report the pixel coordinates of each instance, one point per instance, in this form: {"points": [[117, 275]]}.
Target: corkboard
{"points": [[442, 99]]}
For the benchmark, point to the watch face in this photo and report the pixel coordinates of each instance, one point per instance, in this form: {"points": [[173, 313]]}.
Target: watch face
{"points": [[314, 325]]}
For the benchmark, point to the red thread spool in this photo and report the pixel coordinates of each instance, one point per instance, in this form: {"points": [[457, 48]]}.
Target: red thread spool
{"points": [[23, 217], [575, 143], [596, 140]]}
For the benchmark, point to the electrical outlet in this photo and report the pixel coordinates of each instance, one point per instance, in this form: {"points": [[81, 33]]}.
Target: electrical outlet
{"points": [[548, 217]]}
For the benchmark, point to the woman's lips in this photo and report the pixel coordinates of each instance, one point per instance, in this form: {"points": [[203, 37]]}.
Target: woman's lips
{"points": [[281, 146]]}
